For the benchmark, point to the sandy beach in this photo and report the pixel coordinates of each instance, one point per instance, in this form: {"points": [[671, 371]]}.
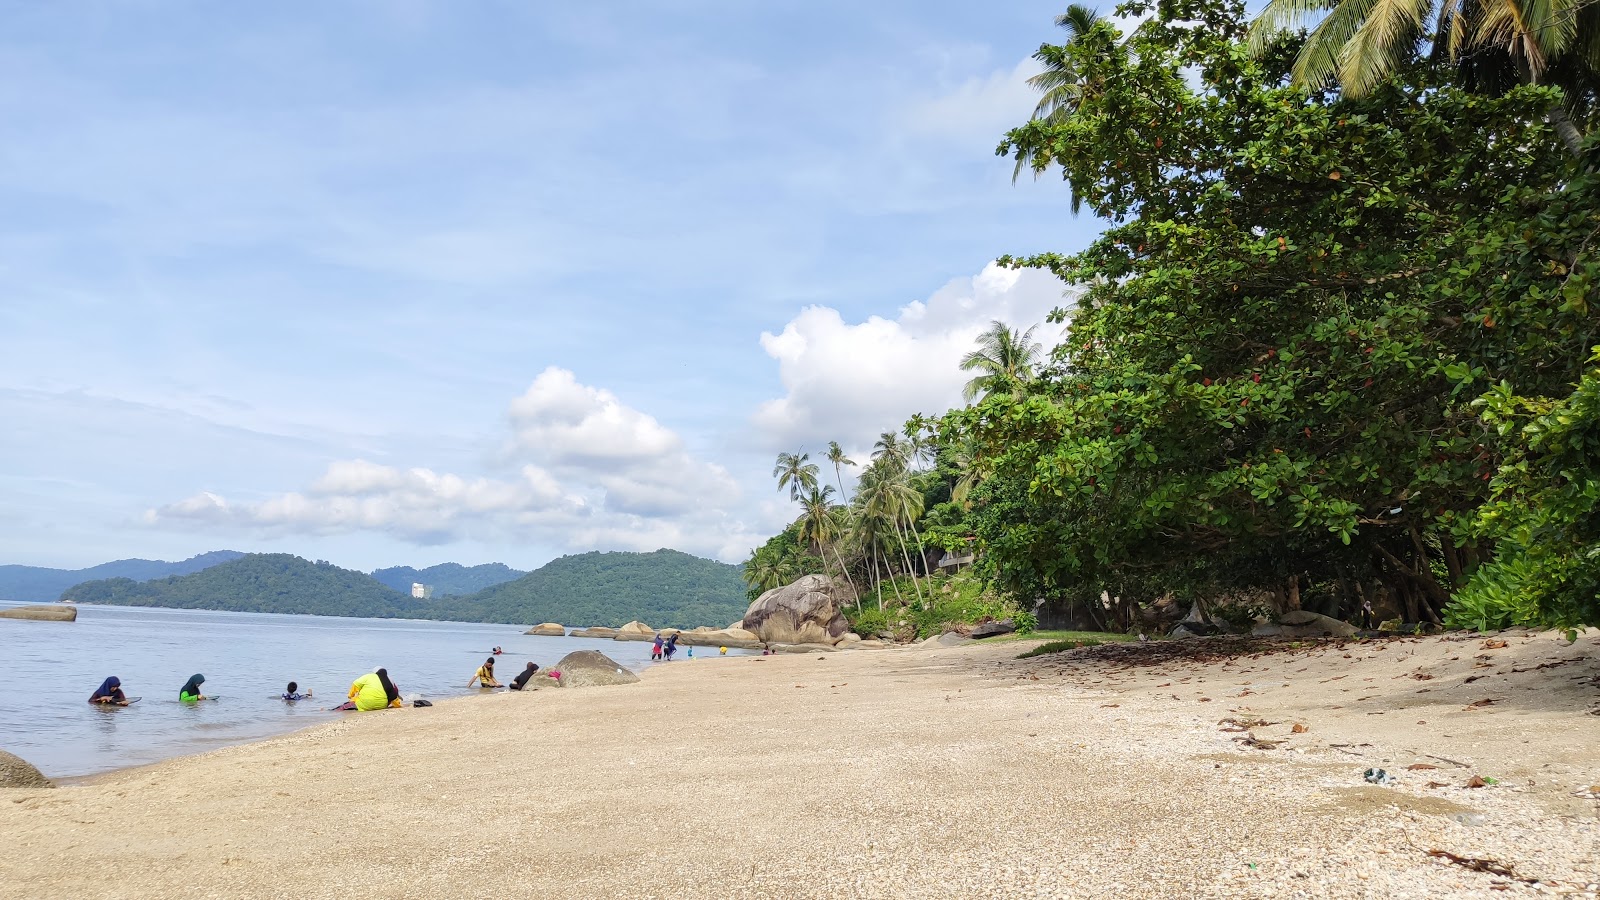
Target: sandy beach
{"points": [[958, 772]]}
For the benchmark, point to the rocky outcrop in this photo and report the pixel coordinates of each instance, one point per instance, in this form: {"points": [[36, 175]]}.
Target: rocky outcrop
{"points": [[736, 638], [598, 631], [1302, 623], [59, 612], [548, 629], [806, 612], [990, 629], [591, 668], [635, 631], [15, 772]]}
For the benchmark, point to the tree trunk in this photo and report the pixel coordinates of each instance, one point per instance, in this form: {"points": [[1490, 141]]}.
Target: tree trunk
{"points": [[906, 555], [1292, 592], [1570, 136], [848, 580]]}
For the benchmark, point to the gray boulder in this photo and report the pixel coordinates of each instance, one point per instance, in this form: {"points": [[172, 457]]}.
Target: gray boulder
{"points": [[591, 668], [952, 639], [990, 629], [56, 612], [15, 772], [806, 612], [1302, 623]]}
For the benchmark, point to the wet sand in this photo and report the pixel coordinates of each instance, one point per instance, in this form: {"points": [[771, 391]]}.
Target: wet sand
{"points": [[945, 773]]}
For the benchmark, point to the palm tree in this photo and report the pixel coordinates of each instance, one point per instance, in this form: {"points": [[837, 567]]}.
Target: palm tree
{"points": [[768, 568], [890, 453], [889, 498], [920, 447], [795, 472], [1493, 43], [1061, 84], [819, 525], [1006, 359], [837, 457]]}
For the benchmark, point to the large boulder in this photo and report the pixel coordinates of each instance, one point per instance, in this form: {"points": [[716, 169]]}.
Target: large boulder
{"points": [[806, 612], [599, 631], [1301, 623], [548, 629], [591, 668], [635, 631], [15, 772], [57, 612], [990, 629]]}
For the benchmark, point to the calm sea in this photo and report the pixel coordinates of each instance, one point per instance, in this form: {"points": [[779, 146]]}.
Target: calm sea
{"points": [[49, 669]]}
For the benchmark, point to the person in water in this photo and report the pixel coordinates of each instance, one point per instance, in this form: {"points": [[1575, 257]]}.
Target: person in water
{"points": [[671, 647], [293, 693], [655, 650], [485, 675], [523, 677], [498, 651], [191, 689], [373, 691], [722, 651], [110, 691]]}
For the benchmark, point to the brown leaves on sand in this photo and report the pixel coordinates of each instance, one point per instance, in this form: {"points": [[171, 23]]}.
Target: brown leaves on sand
{"points": [[1495, 644], [1479, 704], [1418, 767], [1493, 867]]}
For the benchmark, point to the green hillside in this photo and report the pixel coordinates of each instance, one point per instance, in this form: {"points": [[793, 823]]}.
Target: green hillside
{"points": [[41, 584], [258, 582], [448, 579], [664, 588]]}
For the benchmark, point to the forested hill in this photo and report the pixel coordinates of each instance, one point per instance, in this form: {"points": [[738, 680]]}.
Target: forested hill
{"points": [[42, 584], [664, 588], [448, 579], [259, 582]]}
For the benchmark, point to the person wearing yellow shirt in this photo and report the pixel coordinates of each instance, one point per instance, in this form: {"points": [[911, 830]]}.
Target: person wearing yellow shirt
{"points": [[485, 675], [374, 691]]}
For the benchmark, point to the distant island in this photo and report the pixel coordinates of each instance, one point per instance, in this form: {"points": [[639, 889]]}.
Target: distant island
{"points": [[40, 584], [665, 588]]}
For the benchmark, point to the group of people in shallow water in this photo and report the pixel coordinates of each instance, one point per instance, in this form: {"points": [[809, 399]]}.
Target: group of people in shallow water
{"points": [[661, 651], [374, 690], [484, 677]]}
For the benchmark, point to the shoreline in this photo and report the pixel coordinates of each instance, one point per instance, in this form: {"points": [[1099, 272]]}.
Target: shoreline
{"points": [[918, 773]]}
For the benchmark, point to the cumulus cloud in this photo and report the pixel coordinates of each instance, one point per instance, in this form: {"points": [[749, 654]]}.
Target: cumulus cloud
{"points": [[980, 108], [590, 472], [849, 381]]}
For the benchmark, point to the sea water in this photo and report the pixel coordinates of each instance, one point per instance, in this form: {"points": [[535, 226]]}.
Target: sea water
{"points": [[49, 669]]}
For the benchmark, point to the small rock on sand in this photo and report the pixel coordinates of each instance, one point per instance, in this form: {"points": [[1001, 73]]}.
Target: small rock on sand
{"points": [[15, 772]]}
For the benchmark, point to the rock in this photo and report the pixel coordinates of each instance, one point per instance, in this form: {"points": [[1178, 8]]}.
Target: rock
{"points": [[1301, 623], [847, 639], [739, 634], [871, 644], [15, 772], [1191, 630], [803, 648], [951, 639], [598, 631], [548, 629], [591, 668], [990, 629], [635, 631], [806, 612], [59, 612]]}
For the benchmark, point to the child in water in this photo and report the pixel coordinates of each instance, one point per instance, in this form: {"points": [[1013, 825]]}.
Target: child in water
{"points": [[293, 693]]}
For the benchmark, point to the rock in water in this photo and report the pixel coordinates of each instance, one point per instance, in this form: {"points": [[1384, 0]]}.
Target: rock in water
{"points": [[59, 612], [635, 631], [591, 668], [806, 612], [15, 772], [547, 629]]}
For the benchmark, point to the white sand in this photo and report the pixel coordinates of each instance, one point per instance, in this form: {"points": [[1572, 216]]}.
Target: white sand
{"points": [[939, 773]]}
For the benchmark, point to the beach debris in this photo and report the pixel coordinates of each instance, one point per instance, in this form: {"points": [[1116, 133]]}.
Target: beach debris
{"points": [[1495, 644], [1477, 781], [1433, 785], [1479, 704], [1233, 724], [1417, 767], [1377, 776], [1468, 818], [1250, 740], [1298, 729], [1476, 864], [1456, 763]]}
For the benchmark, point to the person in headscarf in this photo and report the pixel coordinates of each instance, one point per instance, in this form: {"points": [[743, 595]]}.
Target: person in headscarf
{"points": [[109, 691], [373, 691], [191, 689], [523, 677], [485, 675]]}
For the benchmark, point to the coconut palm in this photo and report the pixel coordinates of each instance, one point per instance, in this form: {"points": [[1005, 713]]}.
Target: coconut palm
{"points": [[796, 472], [1493, 43], [768, 568], [1005, 358], [1061, 84], [819, 524], [837, 457], [890, 453], [888, 499]]}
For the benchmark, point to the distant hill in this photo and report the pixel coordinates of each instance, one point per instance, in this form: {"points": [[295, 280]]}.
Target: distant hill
{"points": [[40, 584], [448, 579], [664, 588], [258, 582]]}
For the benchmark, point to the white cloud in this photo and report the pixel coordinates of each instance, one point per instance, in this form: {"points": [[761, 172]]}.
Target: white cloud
{"points": [[593, 472], [980, 108], [848, 382]]}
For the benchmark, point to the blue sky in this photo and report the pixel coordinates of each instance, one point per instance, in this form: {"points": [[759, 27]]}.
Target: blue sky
{"points": [[406, 282]]}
